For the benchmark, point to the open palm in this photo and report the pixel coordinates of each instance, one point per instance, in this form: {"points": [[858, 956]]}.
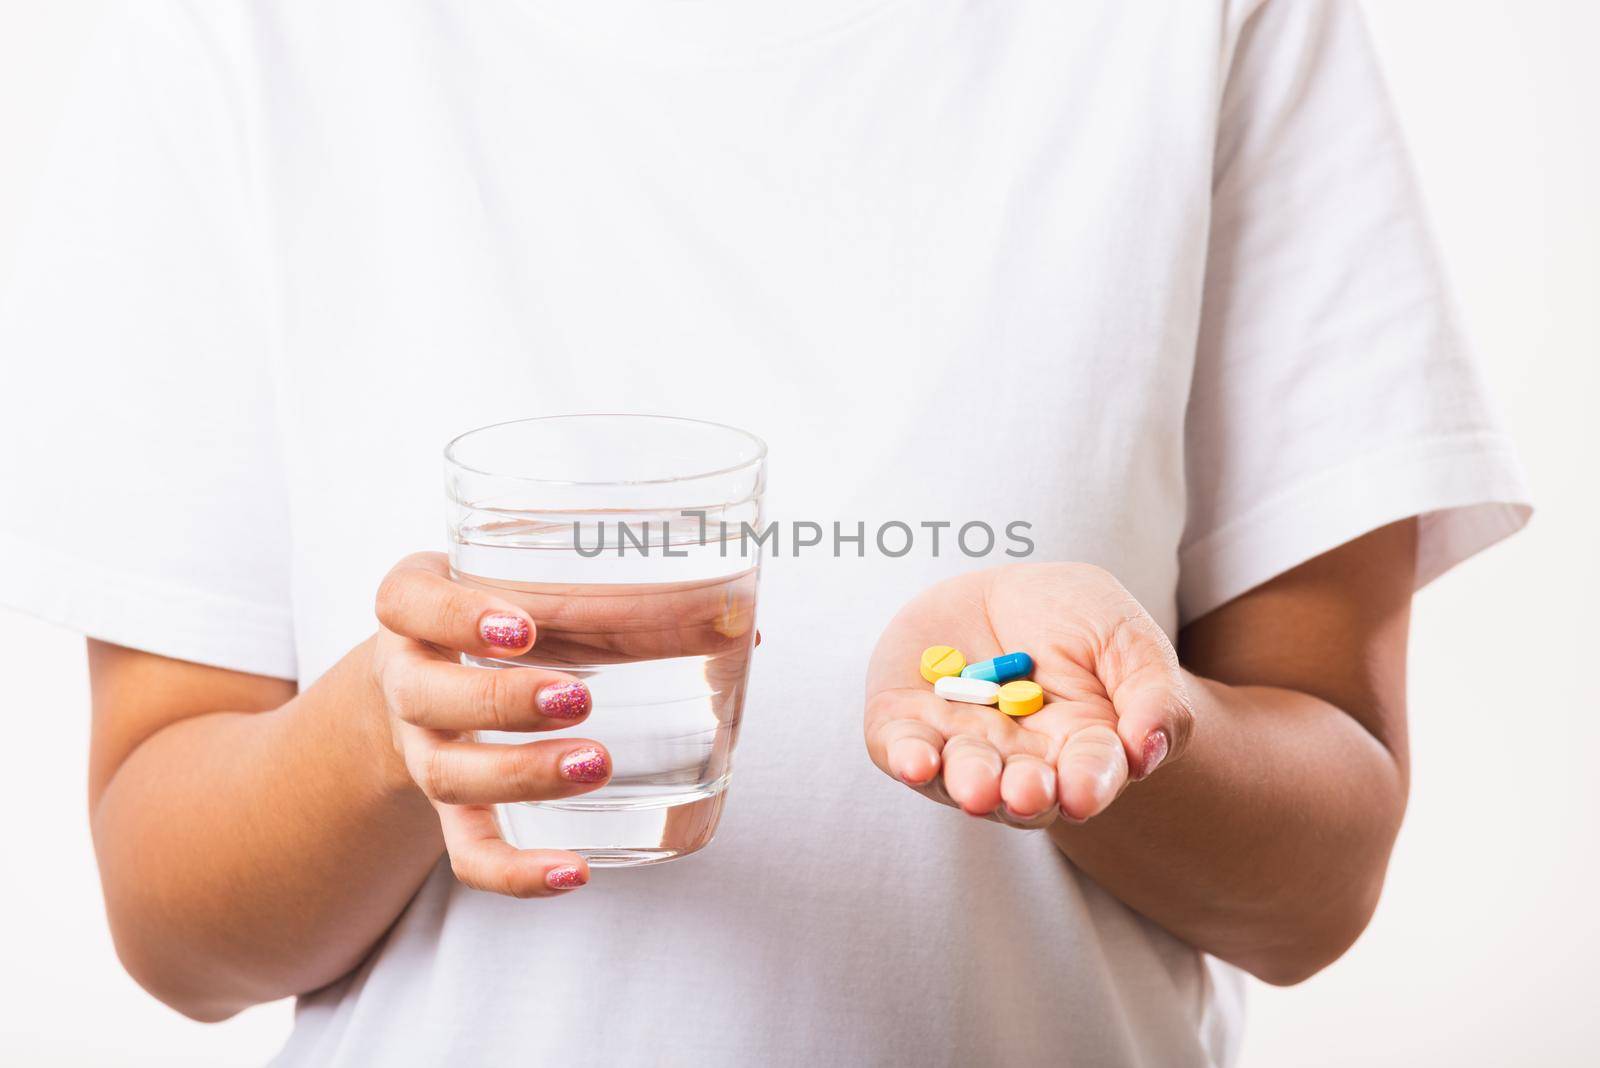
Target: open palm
{"points": [[1115, 701]]}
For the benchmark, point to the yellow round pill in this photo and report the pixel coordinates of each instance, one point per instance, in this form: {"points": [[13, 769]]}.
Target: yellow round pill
{"points": [[1021, 698], [941, 661]]}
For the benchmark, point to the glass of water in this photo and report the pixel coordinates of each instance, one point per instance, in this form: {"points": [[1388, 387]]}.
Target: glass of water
{"points": [[631, 540]]}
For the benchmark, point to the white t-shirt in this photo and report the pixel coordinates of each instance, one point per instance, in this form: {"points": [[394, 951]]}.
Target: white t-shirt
{"points": [[1152, 277]]}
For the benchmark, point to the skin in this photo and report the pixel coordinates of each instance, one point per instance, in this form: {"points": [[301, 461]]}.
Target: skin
{"points": [[255, 842], [1282, 722]]}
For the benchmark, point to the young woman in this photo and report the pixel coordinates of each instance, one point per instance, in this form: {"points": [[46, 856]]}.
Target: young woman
{"points": [[1149, 277]]}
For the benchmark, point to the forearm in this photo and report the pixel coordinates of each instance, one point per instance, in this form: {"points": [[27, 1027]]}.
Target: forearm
{"points": [[249, 856], [1266, 844]]}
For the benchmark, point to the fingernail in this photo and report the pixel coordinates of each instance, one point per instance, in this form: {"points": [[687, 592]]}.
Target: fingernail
{"points": [[505, 630], [568, 878], [734, 622], [1155, 751], [585, 765], [566, 700]]}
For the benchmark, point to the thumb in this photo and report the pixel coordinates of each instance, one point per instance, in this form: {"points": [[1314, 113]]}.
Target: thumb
{"points": [[1155, 716]]}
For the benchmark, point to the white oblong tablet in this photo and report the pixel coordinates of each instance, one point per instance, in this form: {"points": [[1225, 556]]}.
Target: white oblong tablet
{"points": [[972, 691]]}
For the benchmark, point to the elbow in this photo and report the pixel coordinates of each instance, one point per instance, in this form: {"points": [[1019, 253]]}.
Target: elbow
{"points": [[181, 997], [175, 986], [160, 940], [1291, 967], [1313, 938], [166, 959], [1312, 922], [203, 1012]]}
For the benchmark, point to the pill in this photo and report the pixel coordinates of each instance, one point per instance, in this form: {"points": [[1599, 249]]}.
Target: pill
{"points": [[941, 661], [1001, 669], [1021, 698], [972, 691]]}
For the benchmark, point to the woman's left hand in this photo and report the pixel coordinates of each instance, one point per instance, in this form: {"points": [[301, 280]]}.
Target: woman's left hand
{"points": [[1115, 708]]}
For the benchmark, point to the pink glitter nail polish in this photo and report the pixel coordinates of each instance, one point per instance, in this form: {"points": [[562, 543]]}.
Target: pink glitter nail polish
{"points": [[585, 765], [567, 700], [505, 630], [568, 878], [1155, 751]]}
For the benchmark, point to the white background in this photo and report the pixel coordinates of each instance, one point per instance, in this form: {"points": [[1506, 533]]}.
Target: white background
{"points": [[1483, 951]]}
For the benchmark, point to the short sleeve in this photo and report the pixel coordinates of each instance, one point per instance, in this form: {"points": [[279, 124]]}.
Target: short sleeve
{"points": [[1333, 391], [144, 498]]}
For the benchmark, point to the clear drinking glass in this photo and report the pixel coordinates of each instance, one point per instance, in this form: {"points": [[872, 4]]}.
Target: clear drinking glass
{"points": [[630, 541]]}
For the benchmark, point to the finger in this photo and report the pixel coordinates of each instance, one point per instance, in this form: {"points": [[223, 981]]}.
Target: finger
{"points": [[1155, 729], [892, 715], [418, 599], [440, 695], [1091, 770], [458, 772], [483, 860], [622, 623], [972, 769], [1028, 787], [908, 749], [1155, 717]]}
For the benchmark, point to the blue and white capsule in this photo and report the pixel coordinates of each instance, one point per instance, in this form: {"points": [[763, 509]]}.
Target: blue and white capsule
{"points": [[1001, 670]]}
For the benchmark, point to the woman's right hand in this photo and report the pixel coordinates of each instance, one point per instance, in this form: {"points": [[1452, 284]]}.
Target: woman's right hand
{"points": [[435, 703]]}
